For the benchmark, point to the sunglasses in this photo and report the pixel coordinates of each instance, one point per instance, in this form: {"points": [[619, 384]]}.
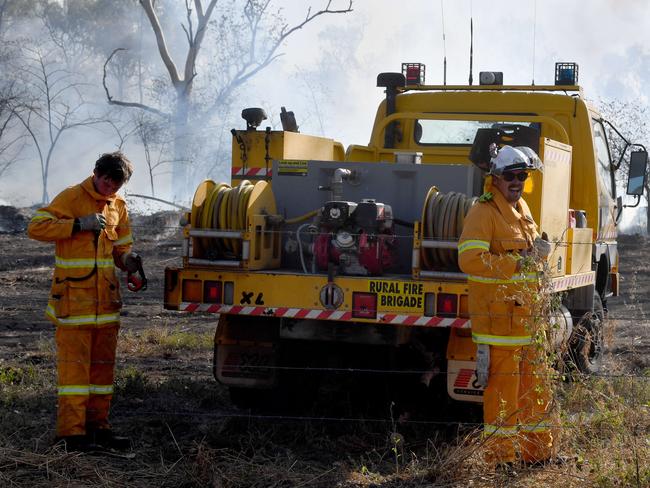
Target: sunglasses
{"points": [[510, 176]]}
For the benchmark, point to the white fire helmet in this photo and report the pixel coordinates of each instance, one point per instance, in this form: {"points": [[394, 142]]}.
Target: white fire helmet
{"points": [[510, 158]]}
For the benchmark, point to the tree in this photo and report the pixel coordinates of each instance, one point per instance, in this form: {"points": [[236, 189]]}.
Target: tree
{"points": [[245, 46], [84, 30], [51, 50], [3, 10], [631, 122], [10, 139], [56, 105], [9, 10], [154, 139]]}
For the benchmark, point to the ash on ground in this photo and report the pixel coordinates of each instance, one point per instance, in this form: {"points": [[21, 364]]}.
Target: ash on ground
{"points": [[157, 226], [14, 220]]}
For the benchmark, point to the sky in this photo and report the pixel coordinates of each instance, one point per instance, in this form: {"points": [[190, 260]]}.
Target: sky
{"points": [[609, 39], [524, 39], [327, 74]]}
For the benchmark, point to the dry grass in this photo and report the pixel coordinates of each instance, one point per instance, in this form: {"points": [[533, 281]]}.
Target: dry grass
{"points": [[185, 435], [163, 340], [608, 424]]}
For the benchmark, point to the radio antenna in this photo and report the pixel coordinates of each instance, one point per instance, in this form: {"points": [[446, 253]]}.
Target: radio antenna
{"points": [[471, 41], [534, 37], [444, 44]]}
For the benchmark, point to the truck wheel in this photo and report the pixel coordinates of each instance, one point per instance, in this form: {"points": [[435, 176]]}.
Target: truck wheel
{"points": [[587, 340]]}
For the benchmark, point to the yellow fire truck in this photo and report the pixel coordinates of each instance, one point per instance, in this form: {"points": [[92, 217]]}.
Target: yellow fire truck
{"points": [[314, 256]]}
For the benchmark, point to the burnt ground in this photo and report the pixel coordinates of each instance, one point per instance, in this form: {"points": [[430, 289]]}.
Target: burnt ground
{"points": [[25, 276], [26, 265], [628, 338], [167, 399]]}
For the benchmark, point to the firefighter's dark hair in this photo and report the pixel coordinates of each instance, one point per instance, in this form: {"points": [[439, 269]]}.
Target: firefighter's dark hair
{"points": [[115, 165]]}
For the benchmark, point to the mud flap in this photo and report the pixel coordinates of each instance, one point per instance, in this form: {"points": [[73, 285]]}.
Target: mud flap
{"points": [[461, 381], [249, 366]]}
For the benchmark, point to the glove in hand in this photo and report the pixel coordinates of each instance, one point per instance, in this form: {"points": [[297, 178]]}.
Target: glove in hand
{"points": [[95, 221], [131, 262], [482, 364], [542, 247]]}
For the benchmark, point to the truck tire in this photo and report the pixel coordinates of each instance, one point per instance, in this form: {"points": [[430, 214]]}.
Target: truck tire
{"points": [[587, 340]]}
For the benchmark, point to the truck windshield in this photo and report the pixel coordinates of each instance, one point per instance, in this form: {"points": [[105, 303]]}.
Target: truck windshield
{"points": [[455, 132], [604, 160]]}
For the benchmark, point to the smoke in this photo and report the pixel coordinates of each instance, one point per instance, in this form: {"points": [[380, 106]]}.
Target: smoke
{"points": [[608, 40], [327, 73]]}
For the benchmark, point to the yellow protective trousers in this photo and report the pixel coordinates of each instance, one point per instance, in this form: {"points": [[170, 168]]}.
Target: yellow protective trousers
{"points": [[516, 406], [85, 364]]}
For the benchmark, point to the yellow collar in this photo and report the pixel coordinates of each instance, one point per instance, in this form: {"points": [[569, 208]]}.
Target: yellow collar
{"points": [[88, 185], [510, 213]]}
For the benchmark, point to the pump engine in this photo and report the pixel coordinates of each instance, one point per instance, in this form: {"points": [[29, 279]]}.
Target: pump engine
{"points": [[357, 237]]}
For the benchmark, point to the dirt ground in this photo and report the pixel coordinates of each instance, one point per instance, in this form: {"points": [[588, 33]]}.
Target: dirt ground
{"points": [[184, 429], [26, 269], [26, 266]]}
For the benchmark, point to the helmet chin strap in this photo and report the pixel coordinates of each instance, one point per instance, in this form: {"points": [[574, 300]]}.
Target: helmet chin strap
{"points": [[488, 183]]}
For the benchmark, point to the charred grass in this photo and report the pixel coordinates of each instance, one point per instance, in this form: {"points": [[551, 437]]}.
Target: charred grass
{"points": [[186, 433]]}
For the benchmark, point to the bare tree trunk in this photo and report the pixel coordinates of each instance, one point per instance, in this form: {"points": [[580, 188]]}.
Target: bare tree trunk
{"points": [[182, 159], [45, 199], [195, 27], [3, 8]]}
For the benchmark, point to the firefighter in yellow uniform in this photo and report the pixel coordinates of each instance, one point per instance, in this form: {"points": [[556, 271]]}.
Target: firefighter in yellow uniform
{"points": [[90, 226], [498, 236]]}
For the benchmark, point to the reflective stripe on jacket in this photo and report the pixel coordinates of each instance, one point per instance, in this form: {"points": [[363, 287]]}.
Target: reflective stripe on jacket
{"points": [[85, 289], [488, 250]]}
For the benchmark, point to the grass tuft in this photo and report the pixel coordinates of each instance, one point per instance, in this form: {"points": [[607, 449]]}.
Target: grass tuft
{"points": [[183, 435], [161, 340]]}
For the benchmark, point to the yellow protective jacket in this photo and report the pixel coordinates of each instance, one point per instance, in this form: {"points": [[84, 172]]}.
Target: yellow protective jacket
{"points": [[500, 302], [85, 289]]}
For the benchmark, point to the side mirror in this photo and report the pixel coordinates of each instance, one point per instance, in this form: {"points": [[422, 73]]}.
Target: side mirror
{"points": [[636, 178]]}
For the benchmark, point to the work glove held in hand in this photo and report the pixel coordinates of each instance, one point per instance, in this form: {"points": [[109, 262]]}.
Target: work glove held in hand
{"points": [[542, 247], [131, 261], [95, 221], [482, 364]]}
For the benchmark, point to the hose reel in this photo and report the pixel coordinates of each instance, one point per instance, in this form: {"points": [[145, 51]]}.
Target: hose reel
{"points": [[443, 217], [218, 206]]}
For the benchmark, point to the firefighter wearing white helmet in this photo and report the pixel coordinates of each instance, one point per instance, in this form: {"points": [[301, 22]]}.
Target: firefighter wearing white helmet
{"points": [[510, 158], [499, 232]]}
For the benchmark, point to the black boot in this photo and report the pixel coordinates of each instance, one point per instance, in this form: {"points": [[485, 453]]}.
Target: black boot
{"points": [[508, 469], [106, 439]]}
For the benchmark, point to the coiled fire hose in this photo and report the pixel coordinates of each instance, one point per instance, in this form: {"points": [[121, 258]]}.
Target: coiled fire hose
{"points": [[224, 208], [443, 216]]}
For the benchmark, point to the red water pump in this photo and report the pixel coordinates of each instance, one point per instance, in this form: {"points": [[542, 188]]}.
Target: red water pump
{"points": [[357, 237]]}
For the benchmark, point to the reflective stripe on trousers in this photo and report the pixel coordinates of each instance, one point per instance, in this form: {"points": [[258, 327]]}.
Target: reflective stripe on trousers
{"points": [[496, 430], [516, 406], [85, 389], [85, 366], [495, 340]]}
